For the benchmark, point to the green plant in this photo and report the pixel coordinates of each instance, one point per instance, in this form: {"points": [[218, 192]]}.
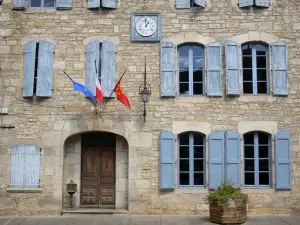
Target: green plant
{"points": [[225, 192]]}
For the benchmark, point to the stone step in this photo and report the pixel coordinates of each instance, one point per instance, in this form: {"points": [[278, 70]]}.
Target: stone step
{"points": [[94, 211]]}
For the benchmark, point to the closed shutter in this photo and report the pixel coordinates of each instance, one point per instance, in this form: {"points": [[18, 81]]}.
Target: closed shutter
{"points": [[92, 4], [280, 68], [45, 69], [167, 69], [18, 4], [233, 63], [233, 157], [183, 4], [216, 159], [246, 3], [64, 4], [167, 160], [200, 2], [108, 68], [214, 67], [283, 160], [112, 4], [29, 68], [92, 56], [262, 3], [25, 166]]}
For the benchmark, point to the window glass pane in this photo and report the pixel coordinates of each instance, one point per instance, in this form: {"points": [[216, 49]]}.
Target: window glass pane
{"points": [[249, 164], [198, 179], [183, 51], [262, 87], [262, 75], [184, 178], [35, 3], [198, 51], [264, 179], [184, 76], [249, 178], [263, 151], [248, 89], [198, 76], [198, 152], [263, 139], [198, 165], [184, 152], [247, 50], [263, 165], [183, 63], [198, 62], [247, 75], [198, 139], [247, 62], [249, 139], [184, 88], [48, 3], [198, 88], [184, 139], [249, 152], [261, 62], [261, 49], [184, 165]]}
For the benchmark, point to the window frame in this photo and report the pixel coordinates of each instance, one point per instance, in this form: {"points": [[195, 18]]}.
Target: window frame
{"points": [[42, 5], [191, 160]]}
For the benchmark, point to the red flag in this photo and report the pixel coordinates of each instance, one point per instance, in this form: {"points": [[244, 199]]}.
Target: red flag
{"points": [[99, 93], [120, 94]]}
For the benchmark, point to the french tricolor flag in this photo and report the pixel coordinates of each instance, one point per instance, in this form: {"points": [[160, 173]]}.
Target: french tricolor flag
{"points": [[99, 93]]}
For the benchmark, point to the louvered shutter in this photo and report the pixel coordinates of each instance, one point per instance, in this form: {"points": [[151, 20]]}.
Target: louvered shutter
{"points": [[200, 2], [92, 56], [214, 67], [45, 69], [92, 4], [233, 157], [262, 3], [18, 4], [29, 68], [64, 4], [233, 63], [280, 68], [246, 3], [183, 4], [167, 69], [283, 160], [167, 160], [108, 68], [112, 4], [216, 159]]}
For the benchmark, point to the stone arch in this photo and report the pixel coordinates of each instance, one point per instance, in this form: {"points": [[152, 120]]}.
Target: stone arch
{"points": [[191, 37], [253, 36], [269, 127]]}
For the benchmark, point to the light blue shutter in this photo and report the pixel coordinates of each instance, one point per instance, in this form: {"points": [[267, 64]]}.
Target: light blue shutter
{"points": [[45, 69], [108, 68], [283, 160], [18, 4], [183, 4], [216, 159], [262, 3], [280, 68], [214, 68], [167, 69], [109, 4], [29, 66], [233, 63], [64, 4], [92, 56], [233, 157], [200, 2], [167, 160], [92, 4], [246, 3]]}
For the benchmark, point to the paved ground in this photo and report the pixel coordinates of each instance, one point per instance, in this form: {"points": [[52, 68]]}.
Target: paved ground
{"points": [[142, 220]]}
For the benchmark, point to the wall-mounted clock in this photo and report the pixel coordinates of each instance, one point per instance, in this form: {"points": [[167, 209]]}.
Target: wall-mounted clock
{"points": [[145, 26]]}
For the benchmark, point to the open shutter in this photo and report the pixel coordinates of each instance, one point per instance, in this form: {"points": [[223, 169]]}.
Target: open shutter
{"points": [[262, 3], [167, 69], [214, 67], [183, 4], [18, 4], [93, 4], [167, 160], [29, 66], [233, 157], [216, 159], [233, 63], [108, 68], [283, 160], [92, 56], [17, 164], [280, 68], [45, 69], [64, 4], [200, 2], [112, 4], [246, 3]]}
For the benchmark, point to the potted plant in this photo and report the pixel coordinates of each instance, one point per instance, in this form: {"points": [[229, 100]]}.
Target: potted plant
{"points": [[227, 204]]}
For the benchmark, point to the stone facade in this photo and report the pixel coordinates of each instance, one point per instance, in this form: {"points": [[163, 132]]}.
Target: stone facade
{"points": [[55, 124]]}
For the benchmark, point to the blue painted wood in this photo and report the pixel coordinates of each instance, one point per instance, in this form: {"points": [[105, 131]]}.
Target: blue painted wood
{"points": [[280, 68], [201, 3], [183, 4], [233, 157], [216, 158], [167, 160], [92, 4], [45, 69], [29, 68], [92, 56], [64, 4], [19, 4], [262, 3], [246, 3], [168, 69], [283, 160], [112, 4], [233, 65], [214, 69], [108, 68]]}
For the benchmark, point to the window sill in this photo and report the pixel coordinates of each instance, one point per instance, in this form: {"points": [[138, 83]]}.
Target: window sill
{"points": [[39, 10], [24, 190], [258, 190], [191, 190], [192, 99], [257, 98]]}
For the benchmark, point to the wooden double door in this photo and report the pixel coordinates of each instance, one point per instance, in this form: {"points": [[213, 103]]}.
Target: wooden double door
{"points": [[98, 178]]}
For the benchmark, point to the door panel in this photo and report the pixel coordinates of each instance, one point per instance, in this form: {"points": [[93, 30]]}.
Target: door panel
{"points": [[107, 177]]}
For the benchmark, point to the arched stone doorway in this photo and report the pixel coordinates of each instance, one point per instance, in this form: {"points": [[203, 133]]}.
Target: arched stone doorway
{"points": [[98, 163]]}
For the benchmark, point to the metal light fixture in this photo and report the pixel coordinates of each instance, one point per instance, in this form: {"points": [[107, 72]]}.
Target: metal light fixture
{"points": [[145, 92]]}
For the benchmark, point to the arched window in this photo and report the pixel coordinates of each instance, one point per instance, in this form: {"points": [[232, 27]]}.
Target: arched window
{"points": [[255, 68], [257, 155], [191, 159], [191, 69]]}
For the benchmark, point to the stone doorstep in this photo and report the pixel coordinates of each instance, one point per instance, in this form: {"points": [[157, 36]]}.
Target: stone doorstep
{"points": [[94, 211]]}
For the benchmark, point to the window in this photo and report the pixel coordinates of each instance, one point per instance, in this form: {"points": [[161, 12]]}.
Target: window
{"points": [[41, 3], [191, 159], [25, 166], [257, 159], [191, 70], [255, 69]]}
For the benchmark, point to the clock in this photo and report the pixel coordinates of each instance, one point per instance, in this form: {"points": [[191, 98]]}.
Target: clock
{"points": [[146, 27]]}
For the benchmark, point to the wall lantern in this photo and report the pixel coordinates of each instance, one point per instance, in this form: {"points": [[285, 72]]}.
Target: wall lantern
{"points": [[145, 92]]}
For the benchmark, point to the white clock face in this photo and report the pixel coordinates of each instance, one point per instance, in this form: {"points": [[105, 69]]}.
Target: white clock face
{"points": [[146, 26]]}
